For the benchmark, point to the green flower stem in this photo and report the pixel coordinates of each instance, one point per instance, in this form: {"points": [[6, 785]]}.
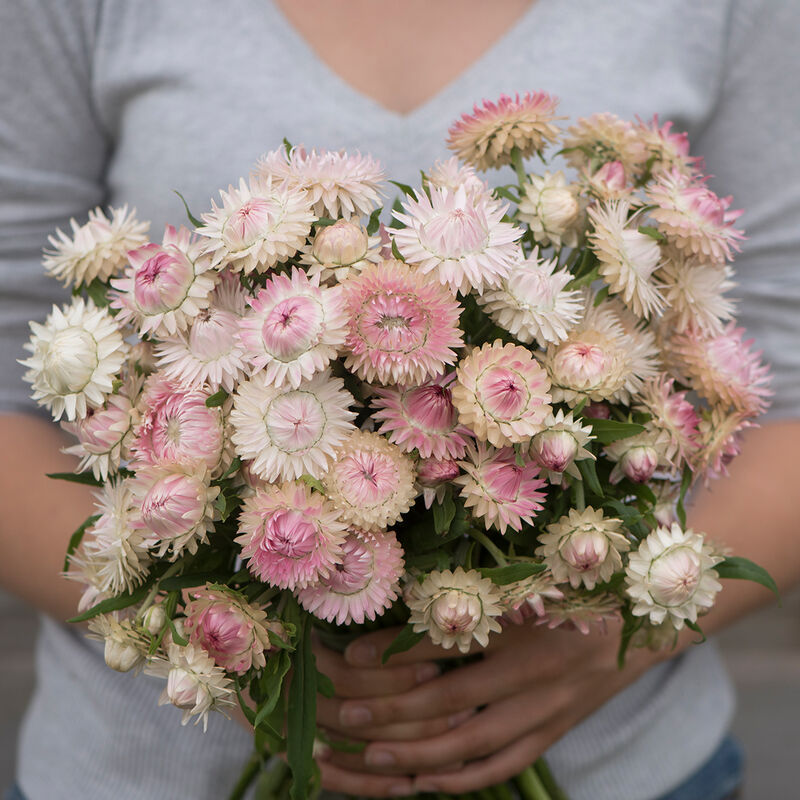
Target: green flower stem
{"points": [[543, 770], [270, 780], [530, 785], [580, 500], [519, 168], [246, 778], [483, 539], [151, 595]]}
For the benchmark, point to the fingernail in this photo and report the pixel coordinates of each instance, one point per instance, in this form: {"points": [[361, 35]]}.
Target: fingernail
{"points": [[425, 786], [379, 758], [355, 715], [425, 672], [456, 719], [361, 654], [400, 790]]}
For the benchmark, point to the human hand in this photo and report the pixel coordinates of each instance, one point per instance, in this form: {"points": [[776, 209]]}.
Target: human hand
{"points": [[472, 727]]}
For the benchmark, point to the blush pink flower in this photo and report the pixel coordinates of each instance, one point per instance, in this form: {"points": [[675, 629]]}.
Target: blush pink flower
{"points": [[720, 440], [637, 457], [403, 328], [451, 175], [340, 250], [165, 285], [593, 141], [291, 537], [608, 183], [363, 584], [582, 611], [667, 150], [562, 442], [524, 599], [486, 137], [422, 418], [498, 490], [502, 393], [671, 413], [293, 328], [433, 475]]}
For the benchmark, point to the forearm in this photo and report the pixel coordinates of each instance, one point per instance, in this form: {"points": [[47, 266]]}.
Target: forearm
{"points": [[39, 514]]}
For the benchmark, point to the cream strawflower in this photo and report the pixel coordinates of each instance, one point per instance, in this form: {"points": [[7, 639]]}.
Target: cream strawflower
{"points": [[291, 537], [451, 175], [719, 434], [638, 457], [422, 418], [524, 599], [76, 356], [458, 237], [97, 249], [551, 210], [403, 327], [287, 432], [671, 575], [259, 224], [562, 442], [533, 303], [600, 138], [370, 481], [455, 608], [293, 328], [501, 393], [581, 611], [125, 647], [498, 490], [338, 184], [363, 584], [583, 548], [486, 137], [165, 285], [340, 250]]}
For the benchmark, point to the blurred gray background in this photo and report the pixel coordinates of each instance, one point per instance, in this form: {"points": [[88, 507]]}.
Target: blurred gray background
{"points": [[762, 652]]}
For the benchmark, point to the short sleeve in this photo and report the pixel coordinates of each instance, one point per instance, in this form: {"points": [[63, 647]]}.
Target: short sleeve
{"points": [[52, 156]]}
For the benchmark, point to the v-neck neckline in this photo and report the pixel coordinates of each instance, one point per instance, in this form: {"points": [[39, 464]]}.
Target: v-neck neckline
{"points": [[482, 63]]}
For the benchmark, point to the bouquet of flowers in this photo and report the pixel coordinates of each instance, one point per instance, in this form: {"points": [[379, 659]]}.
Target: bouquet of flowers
{"points": [[485, 409]]}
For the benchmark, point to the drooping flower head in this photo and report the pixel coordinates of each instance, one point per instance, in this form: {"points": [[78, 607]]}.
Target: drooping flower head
{"points": [[719, 438], [363, 584], [258, 224], [97, 249], [560, 444], [403, 328], [501, 393], [370, 481], [125, 647], [458, 237], [667, 150], [608, 183], [672, 575], [551, 210], [422, 418], [165, 286], [433, 475], [486, 137], [291, 537], [293, 328], [75, 357], [524, 599], [593, 141], [498, 490], [582, 611], [287, 432], [340, 250]]}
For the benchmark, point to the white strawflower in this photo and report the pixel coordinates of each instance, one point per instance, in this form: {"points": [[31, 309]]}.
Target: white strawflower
{"points": [[455, 608], [340, 250], [672, 575], [551, 210], [562, 442], [638, 457], [97, 249], [125, 646], [76, 355]]}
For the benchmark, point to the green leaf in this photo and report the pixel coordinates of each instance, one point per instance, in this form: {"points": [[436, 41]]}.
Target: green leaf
{"points": [[588, 472], [512, 573], [235, 464], [176, 637], [97, 291], [653, 233], [313, 483], [746, 570], [325, 685], [609, 430], [600, 296], [270, 685], [443, 514], [395, 252], [404, 640], [287, 146], [217, 399], [76, 538], [630, 625], [506, 194], [114, 603], [196, 222], [693, 626], [178, 582], [226, 504], [324, 222], [404, 188], [86, 478], [374, 222]]}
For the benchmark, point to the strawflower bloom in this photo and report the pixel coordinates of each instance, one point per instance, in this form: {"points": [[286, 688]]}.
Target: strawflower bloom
{"points": [[291, 537], [637, 457], [486, 137], [672, 576], [667, 150], [582, 611], [719, 435], [455, 608], [97, 249], [604, 137], [340, 250], [451, 175], [293, 328], [551, 210], [76, 356], [671, 413], [524, 599], [403, 327], [287, 432], [422, 418], [501, 393], [562, 442], [125, 647], [458, 237], [433, 475], [370, 481], [498, 490], [608, 183], [363, 584]]}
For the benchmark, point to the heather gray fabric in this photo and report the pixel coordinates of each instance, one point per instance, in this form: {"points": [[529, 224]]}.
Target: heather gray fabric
{"points": [[120, 101]]}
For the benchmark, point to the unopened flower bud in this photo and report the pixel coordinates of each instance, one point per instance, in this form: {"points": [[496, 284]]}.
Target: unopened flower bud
{"points": [[639, 463], [557, 208], [597, 411], [585, 550], [342, 243], [610, 178], [456, 612], [154, 620], [121, 656], [433, 471], [184, 690], [554, 450]]}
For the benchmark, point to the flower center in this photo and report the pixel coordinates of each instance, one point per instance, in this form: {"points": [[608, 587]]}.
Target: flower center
{"points": [[295, 421], [289, 533]]}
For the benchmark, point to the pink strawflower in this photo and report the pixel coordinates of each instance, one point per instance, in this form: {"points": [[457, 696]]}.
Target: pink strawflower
{"points": [[672, 413], [209, 354], [403, 327], [338, 184], [720, 439], [291, 537], [524, 599], [581, 611], [608, 183], [433, 475], [562, 442], [667, 150], [165, 285], [290, 432], [232, 631], [637, 457], [595, 140], [293, 328], [498, 490], [370, 481], [694, 219], [363, 584], [458, 237], [451, 175], [422, 418], [486, 137], [502, 393]]}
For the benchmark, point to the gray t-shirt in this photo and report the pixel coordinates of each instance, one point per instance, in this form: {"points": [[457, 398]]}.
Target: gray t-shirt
{"points": [[112, 101]]}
